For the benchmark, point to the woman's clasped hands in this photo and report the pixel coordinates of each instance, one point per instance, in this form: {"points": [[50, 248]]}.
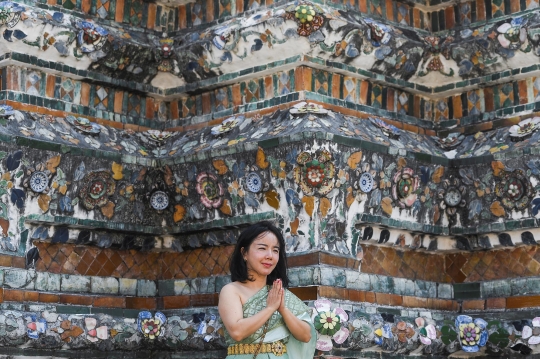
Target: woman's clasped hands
{"points": [[276, 299]]}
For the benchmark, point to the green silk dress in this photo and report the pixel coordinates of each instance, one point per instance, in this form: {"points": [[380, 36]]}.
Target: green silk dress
{"points": [[277, 329]]}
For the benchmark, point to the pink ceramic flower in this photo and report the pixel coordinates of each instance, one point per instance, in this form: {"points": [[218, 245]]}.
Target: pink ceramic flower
{"points": [[210, 190], [405, 186], [330, 324]]}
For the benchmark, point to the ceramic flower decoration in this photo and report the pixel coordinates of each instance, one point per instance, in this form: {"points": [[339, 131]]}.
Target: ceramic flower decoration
{"points": [[514, 189], [10, 13], [308, 17], [512, 35], [532, 335], [405, 187], [157, 137], [84, 125], [37, 179], [378, 34], [403, 331], [304, 107], [452, 195], [210, 189], [472, 334], [427, 332], [96, 187], [91, 37], [451, 141], [330, 324], [385, 331], [6, 110], [151, 326], [387, 129], [93, 333], [36, 327], [225, 126], [525, 128], [315, 173]]}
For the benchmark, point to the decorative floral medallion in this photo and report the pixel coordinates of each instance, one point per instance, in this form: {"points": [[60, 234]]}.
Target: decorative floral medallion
{"points": [[166, 52], [253, 182], [366, 182], [512, 35], [151, 326], [91, 37], [472, 334], [405, 187], [37, 179], [452, 195], [225, 126], [451, 141], [403, 331], [157, 137], [427, 332], [330, 324], [10, 14], [159, 200], [210, 190], [514, 189], [96, 188], [307, 16], [304, 107], [389, 130], [6, 110], [525, 128], [84, 125], [315, 174]]}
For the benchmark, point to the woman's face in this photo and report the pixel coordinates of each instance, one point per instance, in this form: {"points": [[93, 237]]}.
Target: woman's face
{"points": [[262, 255]]}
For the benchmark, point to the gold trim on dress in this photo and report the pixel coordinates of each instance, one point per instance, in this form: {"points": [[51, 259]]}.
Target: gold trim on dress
{"points": [[277, 348]]}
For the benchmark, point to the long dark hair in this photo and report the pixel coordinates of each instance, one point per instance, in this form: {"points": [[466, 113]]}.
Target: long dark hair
{"points": [[238, 267]]}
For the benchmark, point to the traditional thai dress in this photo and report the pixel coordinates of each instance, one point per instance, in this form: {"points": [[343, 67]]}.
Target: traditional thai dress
{"points": [[277, 334]]}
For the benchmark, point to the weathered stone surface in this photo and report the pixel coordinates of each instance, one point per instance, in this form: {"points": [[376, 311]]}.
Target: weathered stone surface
{"points": [[104, 285], [75, 283], [128, 286], [48, 282], [15, 278], [146, 288]]}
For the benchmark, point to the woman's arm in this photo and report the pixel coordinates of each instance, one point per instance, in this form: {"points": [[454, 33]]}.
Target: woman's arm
{"points": [[230, 310], [298, 328]]}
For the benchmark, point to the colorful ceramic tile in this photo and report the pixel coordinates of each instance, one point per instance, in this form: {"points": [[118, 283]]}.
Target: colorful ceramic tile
{"points": [[102, 8], [375, 7], [474, 102], [222, 98], [66, 90], [376, 96], [536, 88], [441, 111], [504, 96], [283, 83], [197, 13], [403, 103], [101, 99], [134, 105], [189, 107], [497, 8], [532, 4], [465, 14], [33, 83], [225, 8], [349, 89], [251, 91], [321, 79], [403, 13]]}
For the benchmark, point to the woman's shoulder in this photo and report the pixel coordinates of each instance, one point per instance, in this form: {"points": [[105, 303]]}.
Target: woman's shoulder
{"points": [[232, 287]]}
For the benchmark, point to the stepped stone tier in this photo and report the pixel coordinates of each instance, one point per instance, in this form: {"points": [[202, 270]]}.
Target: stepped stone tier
{"points": [[395, 143]]}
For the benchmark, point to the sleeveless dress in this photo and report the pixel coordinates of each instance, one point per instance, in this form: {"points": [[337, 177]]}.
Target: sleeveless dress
{"points": [[277, 330]]}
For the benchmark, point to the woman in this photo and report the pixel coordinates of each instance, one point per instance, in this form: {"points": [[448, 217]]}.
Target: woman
{"points": [[263, 320]]}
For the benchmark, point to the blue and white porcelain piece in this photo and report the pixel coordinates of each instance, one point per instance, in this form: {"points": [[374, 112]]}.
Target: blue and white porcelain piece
{"points": [[366, 182], [159, 200], [254, 182], [91, 37], [472, 334], [39, 181]]}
